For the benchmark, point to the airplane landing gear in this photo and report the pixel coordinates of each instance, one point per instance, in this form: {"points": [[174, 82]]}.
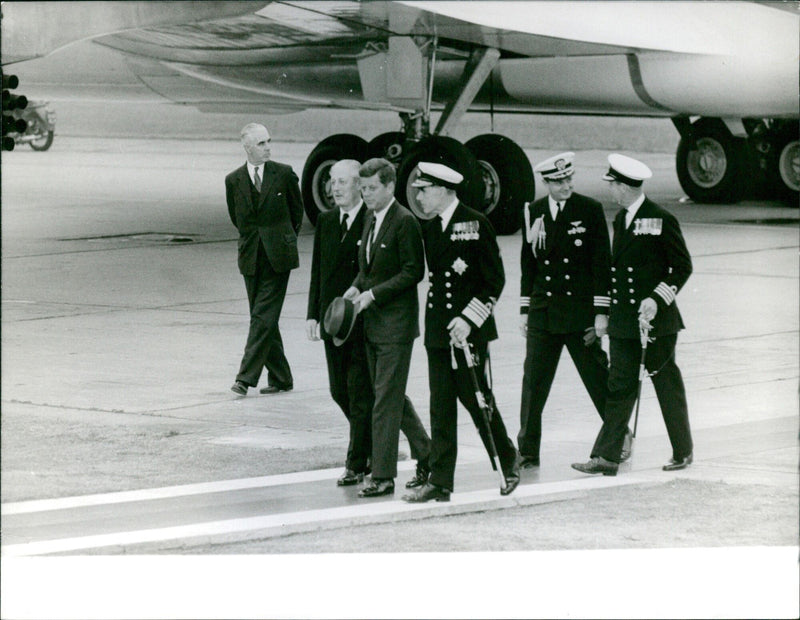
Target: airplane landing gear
{"points": [[710, 162], [785, 166], [315, 185]]}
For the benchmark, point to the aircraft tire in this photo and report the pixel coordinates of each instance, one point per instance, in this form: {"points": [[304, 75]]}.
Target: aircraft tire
{"points": [[711, 163], [784, 169], [390, 145], [315, 184], [443, 150], [508, 180], [43, 144]]}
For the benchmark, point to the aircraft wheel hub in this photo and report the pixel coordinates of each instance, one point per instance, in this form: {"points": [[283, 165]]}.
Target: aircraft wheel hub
{"points": [[789, 165], [708, 163], [491, 183]]}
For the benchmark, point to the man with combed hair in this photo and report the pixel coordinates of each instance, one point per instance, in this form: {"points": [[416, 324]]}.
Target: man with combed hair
{"points": [[334, 266], [391, 263], [265, 206], [649, 265]]}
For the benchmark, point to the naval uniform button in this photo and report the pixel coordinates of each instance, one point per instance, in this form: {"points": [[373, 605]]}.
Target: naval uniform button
{"points": [[449, 306], [547, 262], [566, 277], [447, 284], [566, 260], [630, 268], [547, 278], [431, 305], [630, 279], [549, 294], [430, 274], [633, 301], [446, 274], [614, 301], [448, 295], [613, 279], [430, 293], [613, 290], [569, 292], [613, 269], [630, 290]]}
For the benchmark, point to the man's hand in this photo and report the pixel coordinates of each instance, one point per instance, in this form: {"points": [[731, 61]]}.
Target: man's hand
{"points": [[647, 312], [312, 329], [351, 293], [459, 331], [601, 325], [589, 336], [363, 301], [523, 325]]}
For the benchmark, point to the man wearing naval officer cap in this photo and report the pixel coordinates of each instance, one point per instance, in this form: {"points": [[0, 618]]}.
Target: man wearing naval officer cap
{"points": [[649, 265], [564, 296], [466, 276]]}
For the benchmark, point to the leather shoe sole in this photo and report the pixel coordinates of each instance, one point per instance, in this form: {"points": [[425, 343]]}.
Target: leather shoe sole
{"points": [[674, 465], [528, 462], [276, 389]]}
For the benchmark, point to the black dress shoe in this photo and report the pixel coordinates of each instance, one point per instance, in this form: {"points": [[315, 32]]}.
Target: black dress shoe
{"points": [[512, 482], [627, 446], [597, 465], [349, 478], [420, 478], [427, 492], [377, 487], [676, 464], [240, 388], [276, 389], [528, 462]]}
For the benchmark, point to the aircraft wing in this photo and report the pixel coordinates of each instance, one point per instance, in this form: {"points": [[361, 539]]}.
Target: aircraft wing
{"points": [[594, 57]]}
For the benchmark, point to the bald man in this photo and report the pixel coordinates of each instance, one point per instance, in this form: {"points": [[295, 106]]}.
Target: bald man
{"points": [[334, 266]]}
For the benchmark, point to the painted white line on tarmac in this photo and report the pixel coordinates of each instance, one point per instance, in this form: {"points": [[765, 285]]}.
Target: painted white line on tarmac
{"points": [[291, 522], [143, 495]]}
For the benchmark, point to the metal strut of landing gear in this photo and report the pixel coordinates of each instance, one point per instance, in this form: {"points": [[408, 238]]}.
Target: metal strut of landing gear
{"points": [[498, 178]]}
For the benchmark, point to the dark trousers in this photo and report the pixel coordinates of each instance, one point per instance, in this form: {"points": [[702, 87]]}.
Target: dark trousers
{"points": [[392, 410], [266, 291], [543, 350], [623, 381], [348, 378], [447, 387]]}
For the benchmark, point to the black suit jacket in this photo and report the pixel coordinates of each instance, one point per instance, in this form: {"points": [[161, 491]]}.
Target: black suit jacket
{"points": [[273, 220], [334, 264], [649, 259], [569, 277], [466, 276], [397, 265]]}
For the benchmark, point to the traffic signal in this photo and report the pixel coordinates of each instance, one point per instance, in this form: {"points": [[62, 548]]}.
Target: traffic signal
{"points": [[10, 103]]}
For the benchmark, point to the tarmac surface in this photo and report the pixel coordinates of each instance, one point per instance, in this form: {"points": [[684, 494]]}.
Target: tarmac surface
{"points": [[122, 308]]}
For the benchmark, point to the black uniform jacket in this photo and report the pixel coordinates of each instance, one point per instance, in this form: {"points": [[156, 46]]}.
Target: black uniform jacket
{"points": [[569, 277], [648, 259], [273, 219], [465, 274], [334, 264], [397, 264]]}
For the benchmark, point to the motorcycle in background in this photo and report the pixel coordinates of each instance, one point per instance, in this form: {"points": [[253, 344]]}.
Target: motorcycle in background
{"points": [[41, 123]]}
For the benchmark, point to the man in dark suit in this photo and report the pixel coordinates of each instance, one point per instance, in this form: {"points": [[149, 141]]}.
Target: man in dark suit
{"points": [[466, 277], [334, 266], [649, 265], [564, 296], [391, 262], [265, 205]]}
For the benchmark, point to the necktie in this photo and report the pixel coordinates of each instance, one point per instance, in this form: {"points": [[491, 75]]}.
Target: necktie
{"points": [[370, 234], [256, 179], [343, 224]]}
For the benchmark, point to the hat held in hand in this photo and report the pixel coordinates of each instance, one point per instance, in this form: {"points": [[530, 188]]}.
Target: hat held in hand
{"points": [[339, 319]]}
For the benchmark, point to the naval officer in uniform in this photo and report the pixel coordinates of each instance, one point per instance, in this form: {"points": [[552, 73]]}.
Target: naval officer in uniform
{"points": [[564, 296], [466, 276], [649, 265]]}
